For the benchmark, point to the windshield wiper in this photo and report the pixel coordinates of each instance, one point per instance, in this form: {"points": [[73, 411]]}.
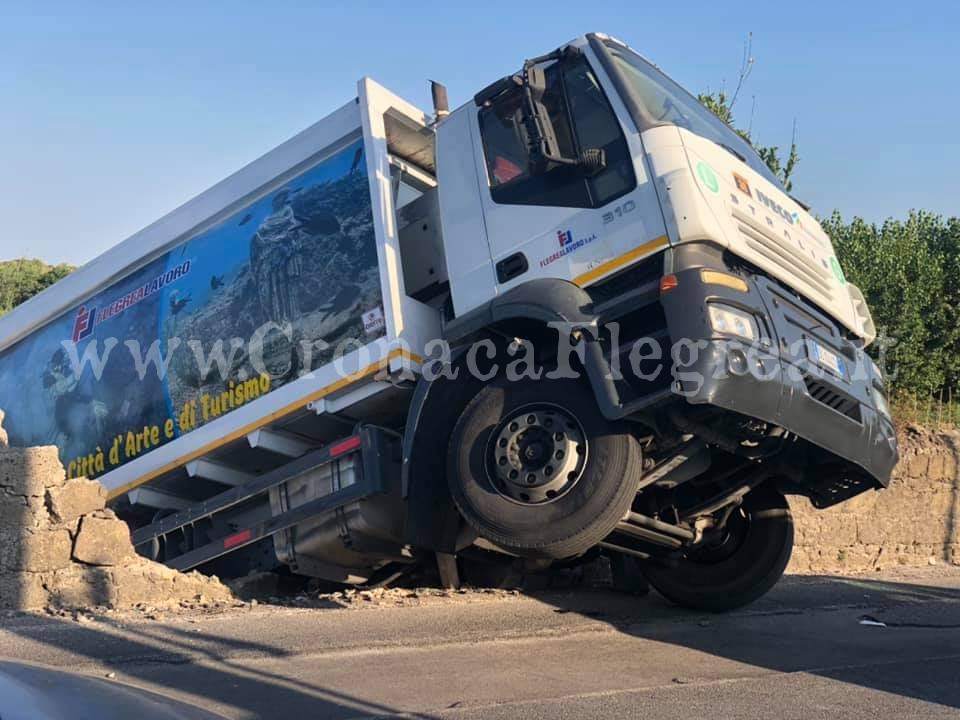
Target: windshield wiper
{"points": [[731, 151]]}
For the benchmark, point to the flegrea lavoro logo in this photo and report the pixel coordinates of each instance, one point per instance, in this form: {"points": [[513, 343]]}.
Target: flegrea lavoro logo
{"points": [[89, 318], [568, 244], [84, 323]]}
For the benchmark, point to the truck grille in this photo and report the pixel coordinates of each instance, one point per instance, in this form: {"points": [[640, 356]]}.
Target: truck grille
{"points": [[644, 273], [825, 394], [786, 257]]}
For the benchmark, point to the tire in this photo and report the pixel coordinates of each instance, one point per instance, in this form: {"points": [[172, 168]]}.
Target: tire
{"points": [[718, 578], [582, 510]]}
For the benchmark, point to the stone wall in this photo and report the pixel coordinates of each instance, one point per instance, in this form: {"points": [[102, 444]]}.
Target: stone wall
{"points": [[916, 521], [60, 547]]}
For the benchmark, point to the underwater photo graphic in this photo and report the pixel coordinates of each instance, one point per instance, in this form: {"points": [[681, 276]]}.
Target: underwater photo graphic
{"points": [[303, 258]]}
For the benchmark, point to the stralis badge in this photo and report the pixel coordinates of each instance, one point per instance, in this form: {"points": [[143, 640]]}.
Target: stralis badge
{"points": [[373, 321]]}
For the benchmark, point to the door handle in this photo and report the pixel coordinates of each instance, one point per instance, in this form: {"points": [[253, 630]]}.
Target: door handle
{"points": [[511, 267]]}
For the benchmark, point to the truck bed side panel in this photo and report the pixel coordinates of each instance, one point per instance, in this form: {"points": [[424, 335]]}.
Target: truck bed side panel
{"points": [[280, 257]]}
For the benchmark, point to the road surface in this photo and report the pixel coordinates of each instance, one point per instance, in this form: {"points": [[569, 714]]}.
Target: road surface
{"points": [[800, 652]]}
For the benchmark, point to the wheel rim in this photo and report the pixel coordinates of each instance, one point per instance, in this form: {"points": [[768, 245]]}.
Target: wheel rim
{"points": [[727, 543], [537, 454]]}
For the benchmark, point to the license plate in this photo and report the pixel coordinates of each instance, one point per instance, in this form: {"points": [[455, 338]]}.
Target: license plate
{"points": [[828, 359]]}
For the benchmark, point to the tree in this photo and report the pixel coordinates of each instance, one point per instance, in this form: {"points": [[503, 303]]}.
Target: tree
{"points": [[21, 279], [906, 270], [722, 105]]}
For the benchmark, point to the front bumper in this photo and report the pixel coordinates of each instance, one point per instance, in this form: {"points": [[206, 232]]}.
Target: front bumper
{"points": [[780, 381]]}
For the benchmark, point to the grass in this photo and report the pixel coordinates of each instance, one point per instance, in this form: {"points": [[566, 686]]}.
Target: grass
{"points": [[938, 412]]}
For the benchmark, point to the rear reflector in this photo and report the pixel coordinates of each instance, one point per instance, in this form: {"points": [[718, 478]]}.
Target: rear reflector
{"points": [[239, 539], [345, 446]]}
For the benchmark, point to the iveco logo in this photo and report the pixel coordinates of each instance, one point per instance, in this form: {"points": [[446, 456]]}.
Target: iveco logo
{"points": [[776, 207]]}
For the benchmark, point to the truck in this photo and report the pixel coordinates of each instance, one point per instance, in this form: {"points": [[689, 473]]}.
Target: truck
{"points": [[575, 317]]}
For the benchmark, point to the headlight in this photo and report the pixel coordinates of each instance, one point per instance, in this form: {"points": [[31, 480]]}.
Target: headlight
{"points": [[880, 401], [732, 321], [876, 376]]}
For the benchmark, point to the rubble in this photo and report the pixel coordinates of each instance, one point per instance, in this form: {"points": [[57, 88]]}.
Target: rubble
{"points": [[61, 549]]}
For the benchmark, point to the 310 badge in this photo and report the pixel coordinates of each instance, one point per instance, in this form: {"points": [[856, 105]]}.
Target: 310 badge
{"points": [[619, 211]]}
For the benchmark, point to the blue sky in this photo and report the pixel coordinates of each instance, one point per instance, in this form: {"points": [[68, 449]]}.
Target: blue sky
{"points": [[114, 113]]}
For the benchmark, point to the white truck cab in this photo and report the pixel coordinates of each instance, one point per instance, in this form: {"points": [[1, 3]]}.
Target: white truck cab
{"points": [[673, 173]]}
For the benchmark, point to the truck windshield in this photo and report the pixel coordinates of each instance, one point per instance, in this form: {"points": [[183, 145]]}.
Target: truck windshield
{"points": [[654, 99]]}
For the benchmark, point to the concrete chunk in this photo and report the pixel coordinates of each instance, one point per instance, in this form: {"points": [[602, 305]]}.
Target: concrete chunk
{"points": [[77, 497], [102, 540], [30, 471], [81, 586], [36, 550], [20, 511]]}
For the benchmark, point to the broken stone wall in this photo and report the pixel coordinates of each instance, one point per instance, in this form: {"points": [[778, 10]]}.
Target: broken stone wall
{"points": [[913, 522], [60, 547]]}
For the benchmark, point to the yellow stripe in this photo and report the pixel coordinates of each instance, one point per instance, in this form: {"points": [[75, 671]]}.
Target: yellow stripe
{"points": [[619, 262], [250, 427]]}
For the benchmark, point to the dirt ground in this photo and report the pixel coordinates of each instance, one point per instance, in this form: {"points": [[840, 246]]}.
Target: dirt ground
{"points": [[419, 597]]}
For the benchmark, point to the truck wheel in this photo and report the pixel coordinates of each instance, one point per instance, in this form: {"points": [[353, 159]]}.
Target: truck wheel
{"points": [[740, 565], [537, 470]]}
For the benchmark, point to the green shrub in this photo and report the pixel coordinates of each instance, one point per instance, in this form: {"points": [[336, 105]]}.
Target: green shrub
{"points": [[21, 279]]}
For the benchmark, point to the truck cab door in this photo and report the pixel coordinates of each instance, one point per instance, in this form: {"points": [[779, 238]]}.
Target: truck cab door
{"points": [[559, 221]]}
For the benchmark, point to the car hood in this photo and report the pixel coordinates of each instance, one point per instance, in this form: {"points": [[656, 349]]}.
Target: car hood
{"points": [[30, 692]]}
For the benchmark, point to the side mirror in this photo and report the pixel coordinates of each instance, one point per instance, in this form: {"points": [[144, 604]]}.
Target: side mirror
{"points": [[537, 82], [537, 127]]}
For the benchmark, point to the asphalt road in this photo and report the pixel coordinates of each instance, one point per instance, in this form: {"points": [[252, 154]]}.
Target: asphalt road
{"points": [[800, 652]]}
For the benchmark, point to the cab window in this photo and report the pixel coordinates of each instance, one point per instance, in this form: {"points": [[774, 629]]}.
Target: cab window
{"points": [[582, 118]]}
